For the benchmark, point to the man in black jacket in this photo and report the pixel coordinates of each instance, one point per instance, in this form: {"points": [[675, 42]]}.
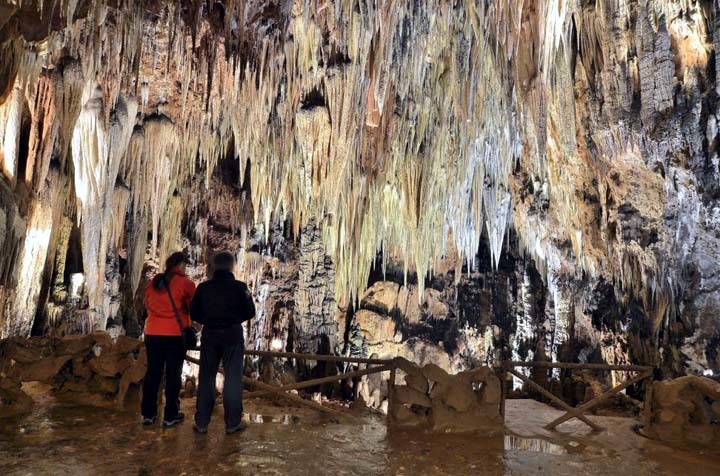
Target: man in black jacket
{"points": [[221, 305]]}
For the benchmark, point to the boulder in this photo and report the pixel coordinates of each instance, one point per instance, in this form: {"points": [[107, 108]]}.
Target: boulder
{"points": [[417, 382], [446, 419], [408, 367], [433, 304], [126, 345], [458, 395], [409, 304], [25, 351], [491, 392], [40, 371], [109, 364], [410, 396], [133, 375], [72, 345], [12, 398], [374, 327], [381, 297], [406, 417], [468, 401], [103, 342], [80, 368], [435, 373], [682, 411], [103, 385]]}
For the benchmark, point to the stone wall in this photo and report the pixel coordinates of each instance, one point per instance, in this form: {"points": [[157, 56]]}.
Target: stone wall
{"points": [[75, 367], [432, 398]]}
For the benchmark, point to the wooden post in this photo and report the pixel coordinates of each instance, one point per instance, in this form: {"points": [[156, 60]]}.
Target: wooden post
{"points": [[391, 396], [503, 388]]}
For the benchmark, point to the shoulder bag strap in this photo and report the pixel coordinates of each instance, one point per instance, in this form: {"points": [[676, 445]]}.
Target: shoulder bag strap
{"points": [[172, 303]]}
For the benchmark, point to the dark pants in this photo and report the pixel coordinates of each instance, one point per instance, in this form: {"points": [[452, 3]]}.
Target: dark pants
{"points": [[212, 352], [163, 353]]}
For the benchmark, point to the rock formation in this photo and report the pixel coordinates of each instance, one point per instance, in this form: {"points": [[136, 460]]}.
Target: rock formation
{"points": [[468, 401], [74, 366], [455, 182], [685, 410]]}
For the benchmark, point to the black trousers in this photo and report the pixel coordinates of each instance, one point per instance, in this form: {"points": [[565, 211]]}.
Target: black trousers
{"points": [[164, 353], [212, 352]]}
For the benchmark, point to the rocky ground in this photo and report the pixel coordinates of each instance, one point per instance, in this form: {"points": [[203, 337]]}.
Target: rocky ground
{"points": [[61, 438]]}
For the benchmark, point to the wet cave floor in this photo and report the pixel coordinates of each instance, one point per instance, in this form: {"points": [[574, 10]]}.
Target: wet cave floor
{"points": [[59, 438]]}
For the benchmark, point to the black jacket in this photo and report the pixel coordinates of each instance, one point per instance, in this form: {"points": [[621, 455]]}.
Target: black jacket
{"points": [[221, 305]]}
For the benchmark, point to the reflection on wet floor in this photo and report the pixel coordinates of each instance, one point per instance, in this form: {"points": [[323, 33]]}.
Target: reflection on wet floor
{"points": [[58, 438], [539, 445], [284, 419]]}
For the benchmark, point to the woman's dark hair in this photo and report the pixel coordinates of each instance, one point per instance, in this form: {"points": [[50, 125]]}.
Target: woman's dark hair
{"points": [[161, 280], [174, 260]]}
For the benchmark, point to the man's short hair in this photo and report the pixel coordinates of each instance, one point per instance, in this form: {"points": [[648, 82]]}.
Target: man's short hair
{"points": [[224, 261]]}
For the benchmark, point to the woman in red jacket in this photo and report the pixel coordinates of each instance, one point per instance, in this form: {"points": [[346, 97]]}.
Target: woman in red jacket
{"points": [[164, 341]]}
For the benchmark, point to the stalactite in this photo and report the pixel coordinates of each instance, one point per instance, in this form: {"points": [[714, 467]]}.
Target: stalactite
{"points": [[405, 129], [11, 117], [59, 292], [43, 133], [97, 153], [11, 54], [31, 261], [170, 238], [69, 84]]}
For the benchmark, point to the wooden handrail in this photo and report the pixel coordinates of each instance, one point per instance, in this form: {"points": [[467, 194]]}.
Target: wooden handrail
{"points": [[328, 379], [326, 358], [567, 365]]}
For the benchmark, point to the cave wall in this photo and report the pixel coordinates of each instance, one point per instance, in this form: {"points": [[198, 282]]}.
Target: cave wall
{"points": [[450, 181]]}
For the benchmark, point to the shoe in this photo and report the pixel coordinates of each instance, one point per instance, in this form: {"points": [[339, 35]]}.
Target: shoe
{"points": [[199, 429], [175, 421], [242, 426], [149, 421]]}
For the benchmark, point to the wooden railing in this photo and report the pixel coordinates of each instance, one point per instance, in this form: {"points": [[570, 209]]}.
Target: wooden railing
{"points": [[389, 365], [265, 389], [577, 412]]}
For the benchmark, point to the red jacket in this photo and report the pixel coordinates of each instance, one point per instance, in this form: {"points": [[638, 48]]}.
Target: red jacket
{"points": [[161, 319]]}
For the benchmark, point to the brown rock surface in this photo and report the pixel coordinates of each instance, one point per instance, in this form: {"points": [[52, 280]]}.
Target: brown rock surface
{"points": [[435, 373], [375, 327], [93, 364], [410, 396], [681, 411]]}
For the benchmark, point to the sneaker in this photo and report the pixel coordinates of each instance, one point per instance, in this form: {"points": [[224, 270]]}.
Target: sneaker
{"points": [[199, 429], [242, 426], [175, 421], [149, 421]]}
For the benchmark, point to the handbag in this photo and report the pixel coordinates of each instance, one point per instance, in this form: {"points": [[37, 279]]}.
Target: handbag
{"points": [[189, 334]]}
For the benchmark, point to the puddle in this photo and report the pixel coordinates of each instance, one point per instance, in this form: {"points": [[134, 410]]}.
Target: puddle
{"points": [[537, 445], [281, 419]]}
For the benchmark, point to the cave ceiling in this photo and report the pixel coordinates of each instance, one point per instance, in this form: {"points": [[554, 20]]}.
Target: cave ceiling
{"points": [[411, 128]]}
